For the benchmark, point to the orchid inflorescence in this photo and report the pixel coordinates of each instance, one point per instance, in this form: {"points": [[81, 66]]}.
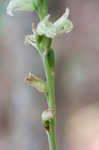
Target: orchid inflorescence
{"points": [[45, 27], [41, 38]]}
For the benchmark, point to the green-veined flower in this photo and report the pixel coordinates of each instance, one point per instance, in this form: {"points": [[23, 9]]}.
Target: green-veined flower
{"points": [[27, 5], [49, 29], [20, 5]]}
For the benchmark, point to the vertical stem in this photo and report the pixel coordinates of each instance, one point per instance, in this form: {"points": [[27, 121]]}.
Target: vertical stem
{"points": [[52, 136], [50, 80], [50, 77]]}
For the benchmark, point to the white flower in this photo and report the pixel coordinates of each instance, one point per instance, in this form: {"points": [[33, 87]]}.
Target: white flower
{"points": [[45, 27], [20, 5], [49, 29], [31, 40]]}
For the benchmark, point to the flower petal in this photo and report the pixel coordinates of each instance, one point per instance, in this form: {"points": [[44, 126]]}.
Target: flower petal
{"points": [[45, 27], [20, 5], [51, 30]]}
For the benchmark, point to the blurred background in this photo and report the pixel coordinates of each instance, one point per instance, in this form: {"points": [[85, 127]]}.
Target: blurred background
{"points": [[77, 80]]}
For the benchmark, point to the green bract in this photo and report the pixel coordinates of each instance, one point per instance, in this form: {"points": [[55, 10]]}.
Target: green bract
{"points": [[50, 30]]}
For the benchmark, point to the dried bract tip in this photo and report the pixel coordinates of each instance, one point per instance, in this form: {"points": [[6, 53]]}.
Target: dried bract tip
{"points": [[32, 77], [33, 28], [36, 82]]}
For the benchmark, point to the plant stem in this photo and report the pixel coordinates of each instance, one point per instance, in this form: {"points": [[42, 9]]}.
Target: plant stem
{"points": [[52, 136], [49, 72], [50, 77]]}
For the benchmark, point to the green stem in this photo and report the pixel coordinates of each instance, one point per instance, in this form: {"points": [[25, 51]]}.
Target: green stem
{"points": [[52, 136], [43, 9], [50, 80], [50, 77]]}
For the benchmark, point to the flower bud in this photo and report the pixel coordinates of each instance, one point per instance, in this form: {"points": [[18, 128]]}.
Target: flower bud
{"points": [[48, 116]]}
